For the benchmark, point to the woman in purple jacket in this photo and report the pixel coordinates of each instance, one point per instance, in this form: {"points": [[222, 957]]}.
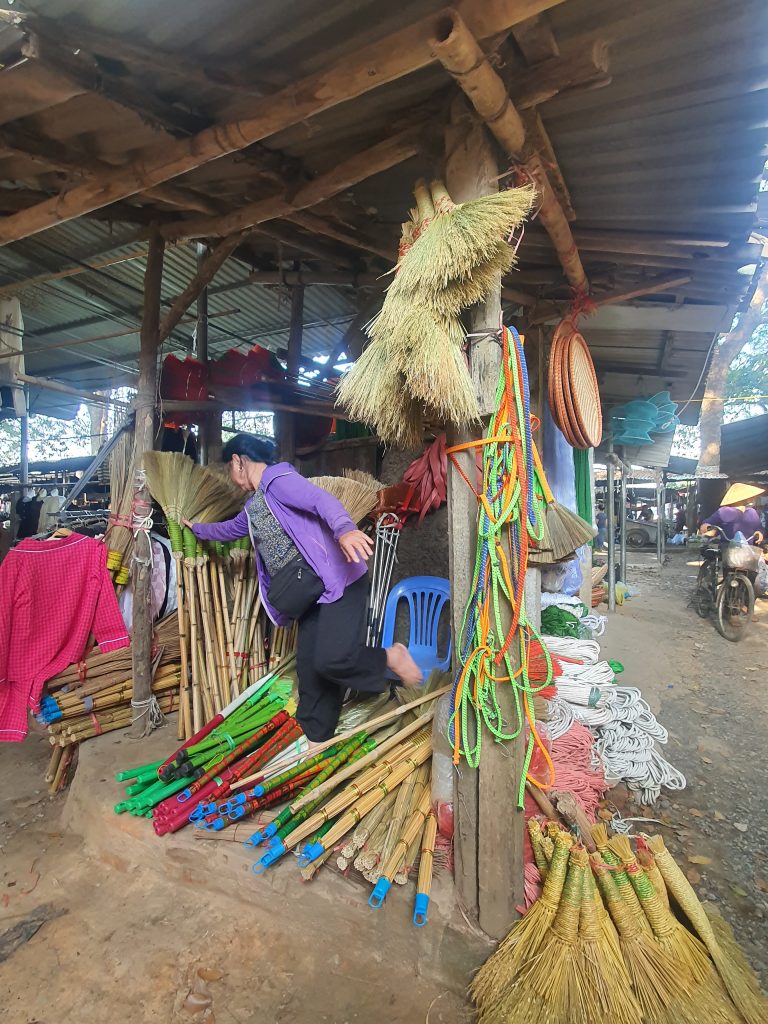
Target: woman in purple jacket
{"points": [[308, 548]]}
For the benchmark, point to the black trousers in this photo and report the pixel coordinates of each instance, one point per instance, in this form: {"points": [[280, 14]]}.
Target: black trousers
{"points": [[331, 657]]}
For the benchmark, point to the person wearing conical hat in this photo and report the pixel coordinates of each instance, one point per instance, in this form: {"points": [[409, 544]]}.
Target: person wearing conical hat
{"points": [[735, 516]]}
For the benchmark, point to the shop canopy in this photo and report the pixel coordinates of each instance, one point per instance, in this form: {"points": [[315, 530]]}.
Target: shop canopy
{"points": [[219, 120]]}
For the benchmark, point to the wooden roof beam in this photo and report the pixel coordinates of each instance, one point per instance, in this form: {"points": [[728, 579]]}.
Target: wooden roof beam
{"points": [[356, 168], [585, 67], [652, 286], [356, 240], [304, 245], [459, 53], [353, 75], [536, 40], [209, 267]]}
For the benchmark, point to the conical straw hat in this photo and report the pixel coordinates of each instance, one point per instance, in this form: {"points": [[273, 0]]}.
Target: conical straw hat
{"points": [[737, 494]]}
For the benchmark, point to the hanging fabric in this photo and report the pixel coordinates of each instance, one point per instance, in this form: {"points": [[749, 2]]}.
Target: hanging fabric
{"points": [[53, 595]]}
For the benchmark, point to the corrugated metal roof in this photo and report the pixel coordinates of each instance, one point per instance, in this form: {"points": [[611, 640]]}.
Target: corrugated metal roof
{"points": [[673, 146]]}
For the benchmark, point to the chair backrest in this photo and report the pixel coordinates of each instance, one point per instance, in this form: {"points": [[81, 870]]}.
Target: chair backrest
{"points": [[426, 596]]}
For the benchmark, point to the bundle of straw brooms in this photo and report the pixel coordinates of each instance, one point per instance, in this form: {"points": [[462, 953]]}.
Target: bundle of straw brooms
{"points": [[451, 256], [615, 935]]}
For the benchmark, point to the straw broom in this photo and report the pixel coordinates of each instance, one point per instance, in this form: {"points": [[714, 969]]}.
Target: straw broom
{"points": [[366, 827], [741, 984], [648, 863], [661, 985], [527, 936], [358, 497], [537, 845], [677, 940], [411, 830], [548, 987], [460, 238], [566, 531], [626, 889]]}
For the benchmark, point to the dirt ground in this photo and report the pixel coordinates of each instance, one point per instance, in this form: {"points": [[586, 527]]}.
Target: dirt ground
{"points": [[92, 939]]}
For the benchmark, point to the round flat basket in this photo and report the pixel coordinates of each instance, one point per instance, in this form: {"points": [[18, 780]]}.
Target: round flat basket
{"points": [[585, 393], [574, 433]]}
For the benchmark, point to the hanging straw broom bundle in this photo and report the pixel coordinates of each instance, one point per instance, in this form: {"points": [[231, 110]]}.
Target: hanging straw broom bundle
{"points": [[460, 238], [565, 531], [119, 536], [739, 980]]}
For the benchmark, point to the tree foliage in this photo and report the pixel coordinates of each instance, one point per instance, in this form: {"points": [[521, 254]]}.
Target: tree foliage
{"points": [[49, 438]]}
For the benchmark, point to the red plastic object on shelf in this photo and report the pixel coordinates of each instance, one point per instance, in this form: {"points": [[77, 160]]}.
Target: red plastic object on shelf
{"points": [[183, 380]]}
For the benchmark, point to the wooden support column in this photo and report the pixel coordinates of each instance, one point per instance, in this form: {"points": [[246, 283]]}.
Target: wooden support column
{"points": [[488, 837], [141, 644], [287, 421]]}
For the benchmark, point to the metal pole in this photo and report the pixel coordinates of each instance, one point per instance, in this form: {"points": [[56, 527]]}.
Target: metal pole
{"points": [[201, 352], [660, 518], [623, 524], [610, 512], [24, 445]]}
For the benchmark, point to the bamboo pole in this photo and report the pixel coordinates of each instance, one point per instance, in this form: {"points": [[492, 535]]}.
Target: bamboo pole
{"points": [[460, 54]]}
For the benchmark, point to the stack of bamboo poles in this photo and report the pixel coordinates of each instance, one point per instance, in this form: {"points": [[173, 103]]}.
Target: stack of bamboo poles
{"points": [[602, 942], [94, 697], [226, 638]]}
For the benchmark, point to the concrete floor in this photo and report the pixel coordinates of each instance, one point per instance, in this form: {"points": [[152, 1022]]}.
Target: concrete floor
{"points": [[175, 931]]}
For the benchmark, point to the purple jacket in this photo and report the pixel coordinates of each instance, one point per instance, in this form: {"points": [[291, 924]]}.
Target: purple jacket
{"points": [[312, 518]]}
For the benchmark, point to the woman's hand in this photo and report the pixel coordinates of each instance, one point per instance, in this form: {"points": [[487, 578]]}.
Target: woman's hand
{"points": [[356, 543], [187, 523]]}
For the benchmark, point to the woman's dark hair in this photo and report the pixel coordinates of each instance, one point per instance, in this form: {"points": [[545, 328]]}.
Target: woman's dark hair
{"points": [[250, 446]]}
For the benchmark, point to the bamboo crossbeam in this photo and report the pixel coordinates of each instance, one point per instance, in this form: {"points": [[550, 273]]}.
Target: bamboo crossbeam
{"points": [[460, 54]]}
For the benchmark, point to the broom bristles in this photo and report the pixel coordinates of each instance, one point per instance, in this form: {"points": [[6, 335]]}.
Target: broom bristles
{"points": [[731, 965], [185, 490], [357, 497]]}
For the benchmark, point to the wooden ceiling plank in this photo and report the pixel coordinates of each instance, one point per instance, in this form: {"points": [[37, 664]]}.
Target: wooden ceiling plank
{"points": [[387, 60], [587, 65]]}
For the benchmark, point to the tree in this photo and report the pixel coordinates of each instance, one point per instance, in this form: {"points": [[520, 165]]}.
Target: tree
{"points": [[49, 438], [725, 355]]}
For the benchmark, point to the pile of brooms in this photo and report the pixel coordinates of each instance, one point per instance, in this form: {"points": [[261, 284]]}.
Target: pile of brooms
{"points": [[451, 257], [614, 936]]}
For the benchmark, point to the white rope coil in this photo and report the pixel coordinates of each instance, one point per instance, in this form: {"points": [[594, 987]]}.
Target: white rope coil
{"points": [[585, 651], [596, 623]]}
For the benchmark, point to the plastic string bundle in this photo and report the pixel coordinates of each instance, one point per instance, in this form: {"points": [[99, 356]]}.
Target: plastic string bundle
{"points": [[509, 517], [584, 652]]}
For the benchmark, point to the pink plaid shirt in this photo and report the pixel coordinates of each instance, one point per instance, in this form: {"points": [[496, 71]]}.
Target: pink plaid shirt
{"points": [[53, 595]]}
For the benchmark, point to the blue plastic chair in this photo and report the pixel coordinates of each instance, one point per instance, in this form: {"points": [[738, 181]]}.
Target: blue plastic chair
{"points": [[426, 596]]}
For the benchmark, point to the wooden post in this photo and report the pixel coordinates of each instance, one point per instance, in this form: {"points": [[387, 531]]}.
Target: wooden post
{"points": [[488, 837], [201, 352], [287, 424], [141, 644]]}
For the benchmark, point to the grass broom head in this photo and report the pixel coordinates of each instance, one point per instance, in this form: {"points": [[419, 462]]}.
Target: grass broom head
{"points": [[359, 499], [370, 385], [675, 938], [185, 490], [364, 478], [499, 972], [662, 987], [435, 369], [460, 238], [605, 980], [738, 977]]}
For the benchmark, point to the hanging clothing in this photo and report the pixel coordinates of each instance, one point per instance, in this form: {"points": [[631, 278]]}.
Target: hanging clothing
{"points": [[53, 595]]}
